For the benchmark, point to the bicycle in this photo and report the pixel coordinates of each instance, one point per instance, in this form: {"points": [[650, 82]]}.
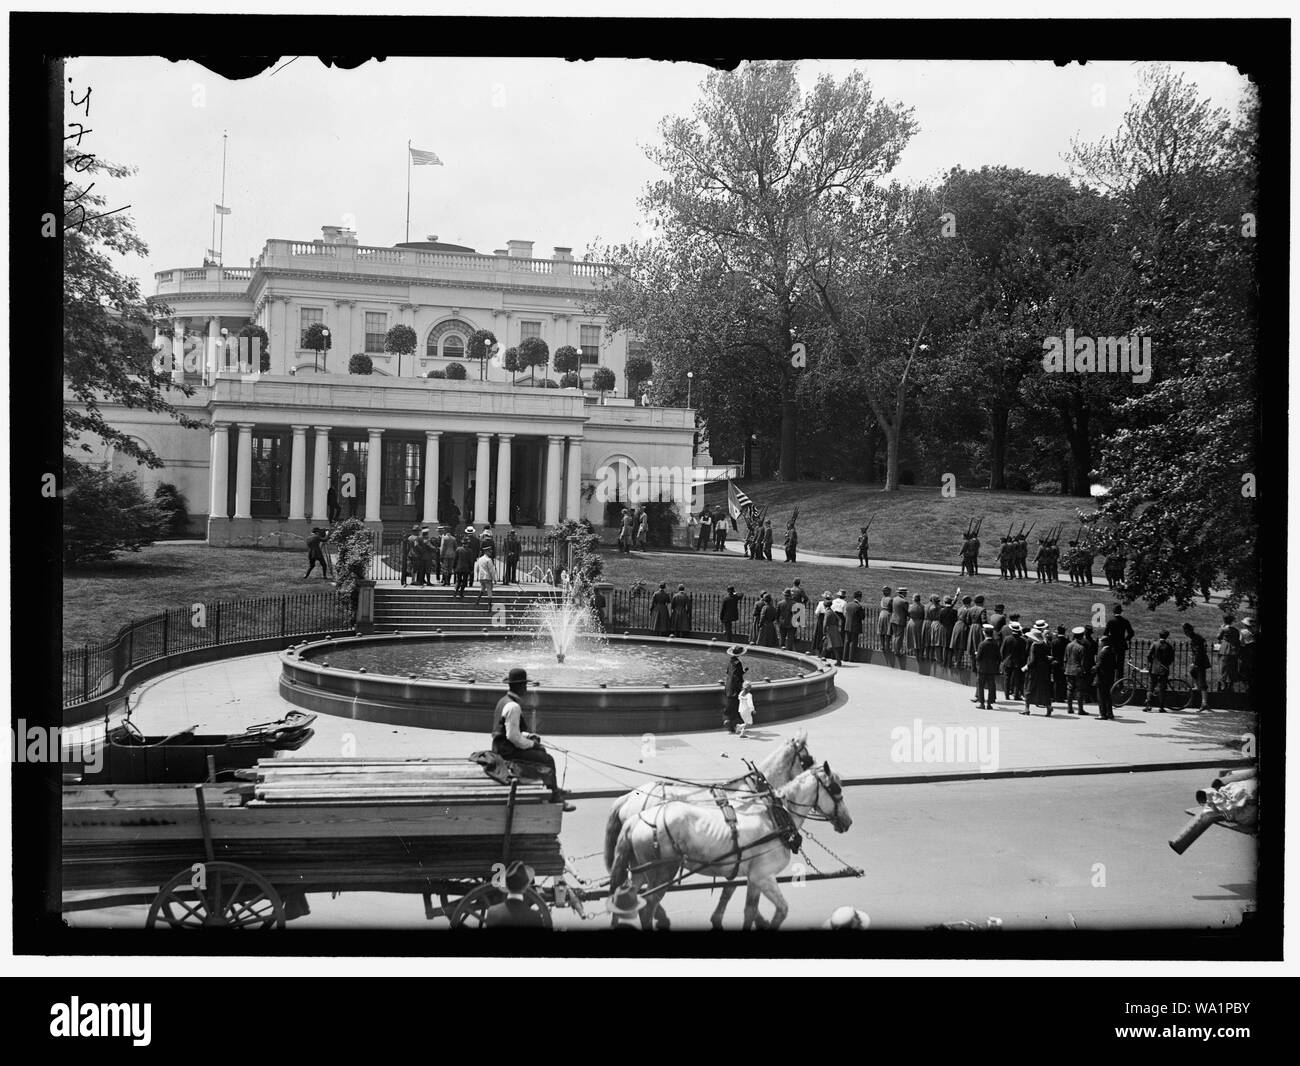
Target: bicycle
{"points": [[1178, 690]]}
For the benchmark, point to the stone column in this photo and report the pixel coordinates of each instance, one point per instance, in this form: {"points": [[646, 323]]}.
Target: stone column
{"points": [[244, 472], [282, 339], [218, 472], [374, 474], [554, 459], [320, 476], [178, 350], [211, 363], [482, 474], [298, 476], [432, 476], [573, 481], [504, 446]]}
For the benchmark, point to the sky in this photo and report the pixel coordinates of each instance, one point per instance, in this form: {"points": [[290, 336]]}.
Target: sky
{"points": [[533, 149]]}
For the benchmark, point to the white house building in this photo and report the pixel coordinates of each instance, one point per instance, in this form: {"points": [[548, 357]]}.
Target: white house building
{"points": [[396, 446]]}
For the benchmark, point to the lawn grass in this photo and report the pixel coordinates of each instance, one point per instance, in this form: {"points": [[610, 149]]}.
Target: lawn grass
{"points": [[1059, 604], [99, 600], [914, 524]]}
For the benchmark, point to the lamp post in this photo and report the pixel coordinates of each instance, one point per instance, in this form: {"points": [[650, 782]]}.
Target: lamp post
{"points": [[326, 334], [647, 385], [690, 377], [225, 342]]}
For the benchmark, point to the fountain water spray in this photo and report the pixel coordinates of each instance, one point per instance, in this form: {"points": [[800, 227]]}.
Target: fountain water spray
{"points": [[566, 619]]}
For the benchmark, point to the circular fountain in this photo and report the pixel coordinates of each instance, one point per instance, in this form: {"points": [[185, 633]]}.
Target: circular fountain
{"points": [[587, 681]]}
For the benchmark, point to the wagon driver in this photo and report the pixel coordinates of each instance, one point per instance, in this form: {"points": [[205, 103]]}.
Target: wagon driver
{"points": [[511, 739]]}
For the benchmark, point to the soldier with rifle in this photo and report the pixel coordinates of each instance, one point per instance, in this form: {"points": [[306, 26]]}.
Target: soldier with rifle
{"points": [[864, 544]]}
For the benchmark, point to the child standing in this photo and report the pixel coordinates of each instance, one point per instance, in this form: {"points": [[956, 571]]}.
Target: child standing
{"points": [[746, 707]]}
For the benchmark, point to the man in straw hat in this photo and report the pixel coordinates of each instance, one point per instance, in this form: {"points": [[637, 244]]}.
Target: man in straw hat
{"points": [[988, 661], [735, 682], [847, 918], [515, 911], [625, 905], [511, 739]]}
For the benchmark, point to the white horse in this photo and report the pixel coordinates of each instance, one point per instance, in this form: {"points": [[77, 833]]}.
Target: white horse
{"points": [[660, 841], [779, 768]]}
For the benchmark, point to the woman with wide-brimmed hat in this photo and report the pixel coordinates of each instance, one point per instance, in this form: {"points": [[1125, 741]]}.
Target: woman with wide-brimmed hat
{"points": [[735, 682], [1038, 670]]}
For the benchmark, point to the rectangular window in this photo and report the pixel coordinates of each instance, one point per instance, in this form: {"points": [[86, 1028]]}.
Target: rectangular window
{"points": [[402, 485], [268, 466], [306, 317], [529, 329], [590, 344], [347, 474], [376, 330]]}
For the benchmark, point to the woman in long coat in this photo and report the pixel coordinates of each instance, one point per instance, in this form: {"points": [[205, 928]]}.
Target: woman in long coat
{"points": [[975, 619], [947, 619], [833, 623], [680, 620], [914, 634], [957, 643], [767, 637], [1038, 673], [933, 632], [659, 610], [819, 619], [886, 612]]}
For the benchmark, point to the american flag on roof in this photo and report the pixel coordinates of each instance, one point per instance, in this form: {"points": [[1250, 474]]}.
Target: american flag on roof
{"points": [[424, 159]]}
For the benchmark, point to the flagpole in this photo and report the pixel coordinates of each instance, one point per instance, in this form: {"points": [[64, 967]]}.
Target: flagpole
{"points": [[221, 246], [408, 192]]}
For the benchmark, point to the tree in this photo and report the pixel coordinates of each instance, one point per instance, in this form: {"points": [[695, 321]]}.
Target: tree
{"points": [[456, 372], [356, 547], [570, 381], [360, 363], [317, 338], [479, 348], [1180, 471], [567, 358], [171, 501], [532, 353], [108, 354], [106, 513], [252, 331], [511, 362], [400, 340], [745, 176], [637, 369], [603, 380], [440, 374]]}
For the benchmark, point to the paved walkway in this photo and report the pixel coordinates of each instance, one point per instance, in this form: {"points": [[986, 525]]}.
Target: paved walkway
{"points": [[886, 725]]}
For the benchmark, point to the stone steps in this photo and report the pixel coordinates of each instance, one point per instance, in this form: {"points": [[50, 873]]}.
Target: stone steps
{"points": [[429, 609]]}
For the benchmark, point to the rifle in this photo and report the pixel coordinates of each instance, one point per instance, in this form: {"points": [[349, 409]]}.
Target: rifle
{"points": [[793, 518], [1008, 536], [979, 525], [1031, 529]]}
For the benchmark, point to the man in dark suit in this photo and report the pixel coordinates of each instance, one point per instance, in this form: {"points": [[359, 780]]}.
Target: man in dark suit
{"points": [[785, 620], [1058, 644], [680, 608], [1013, 658], [1107, 663], [988, 658], [735, 682], [1121, 634], [514, 911], [409, 550], [730, 613], [513, 550], [316, 553], [856, 613], [898, 620], [1159, 659], [464, 564], [791, 544], [1076, 655]]}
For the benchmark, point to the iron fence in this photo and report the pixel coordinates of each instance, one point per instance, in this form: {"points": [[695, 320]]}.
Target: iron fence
{"points": [[93, 669], [539, 558]]}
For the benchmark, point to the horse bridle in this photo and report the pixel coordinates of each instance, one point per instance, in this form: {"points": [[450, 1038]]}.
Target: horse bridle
{"points": [[815, 814], [806, 761]]}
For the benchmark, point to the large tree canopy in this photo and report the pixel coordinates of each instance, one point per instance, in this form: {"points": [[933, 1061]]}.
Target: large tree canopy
{"points": [[108, 354]]}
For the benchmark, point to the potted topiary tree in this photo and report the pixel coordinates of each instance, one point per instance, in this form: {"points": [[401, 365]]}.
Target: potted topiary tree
{"points": [[568, 359], [317, 338], [511, 362], [399, 341], [479, 348], [456, 372], [360, 363], [570, 380], [533, 352], [602, 379], [259, 343], [440, 374]]}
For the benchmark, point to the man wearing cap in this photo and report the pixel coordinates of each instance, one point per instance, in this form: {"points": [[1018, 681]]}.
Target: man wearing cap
{"points": [[447, 552], [1075, 653], [785, 614], [426, 557], [791, 544], [465, 555], [856, 613], [1013, 658], [513, 550], [514, 911], [1120, 632], [730, 613], [511, 739], [1105, 675], [410, 545], [898, 620], [988, 659], [625, 904], [735, 682], [864, 548], [1159, 659], [885, 616], [1058, 645]]}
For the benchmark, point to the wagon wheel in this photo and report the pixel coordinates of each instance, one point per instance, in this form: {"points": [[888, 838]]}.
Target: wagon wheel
{"points": [[232, 897], [472, 910]]}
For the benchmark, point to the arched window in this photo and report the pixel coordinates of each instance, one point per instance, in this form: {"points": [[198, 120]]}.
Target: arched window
{"points": [[453, 347], [447, 334]]}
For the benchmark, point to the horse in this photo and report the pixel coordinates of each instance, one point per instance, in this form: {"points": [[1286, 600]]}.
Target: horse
{"points": [[757, 846], [778, 768]]}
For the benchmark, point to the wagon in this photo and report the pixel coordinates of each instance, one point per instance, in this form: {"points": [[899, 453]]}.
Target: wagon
{"points": [[246, 854]]}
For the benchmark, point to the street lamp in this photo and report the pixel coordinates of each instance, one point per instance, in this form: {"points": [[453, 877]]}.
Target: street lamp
{"points": [[647, 385], [225, 349], [690, 377], [326, 334]]}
